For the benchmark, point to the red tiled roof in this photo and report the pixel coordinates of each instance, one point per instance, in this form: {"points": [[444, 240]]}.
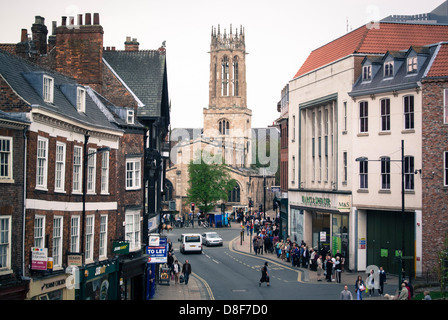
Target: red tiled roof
{"points": [[439, 67], [375, 38]]}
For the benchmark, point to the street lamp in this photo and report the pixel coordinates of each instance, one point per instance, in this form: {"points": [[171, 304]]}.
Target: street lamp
{"points": [[84, 187], [401, 256]]}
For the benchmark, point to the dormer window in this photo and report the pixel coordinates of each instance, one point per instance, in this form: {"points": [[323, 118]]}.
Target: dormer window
{"points": [[412, 64], [48, 89], [81, 99], [389, 69], [130, 117], [366, 73]]}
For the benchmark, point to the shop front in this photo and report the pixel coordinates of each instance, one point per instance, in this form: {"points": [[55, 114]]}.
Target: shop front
{"points": [[51, 287], [132, 271], [99, 281], [321, 220]]}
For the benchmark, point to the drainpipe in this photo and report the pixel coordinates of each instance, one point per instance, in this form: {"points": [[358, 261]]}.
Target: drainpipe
{"points": [[24, 200]]}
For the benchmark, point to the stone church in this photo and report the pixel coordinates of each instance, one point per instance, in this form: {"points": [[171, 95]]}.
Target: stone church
{"points": [[227, 134]]}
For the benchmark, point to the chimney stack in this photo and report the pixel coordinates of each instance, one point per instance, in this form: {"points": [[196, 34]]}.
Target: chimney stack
{"points": [[39, 31], [131, 45], [79, 49]]}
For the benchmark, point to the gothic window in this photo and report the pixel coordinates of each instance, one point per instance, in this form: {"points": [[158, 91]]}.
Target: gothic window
{"points": [[225, 76], [215, 77], [234, 194], [223, 127], [235, 76], [168, 191]]}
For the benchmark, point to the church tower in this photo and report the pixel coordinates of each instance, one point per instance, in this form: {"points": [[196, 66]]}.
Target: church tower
{"points": [[227, 117]]}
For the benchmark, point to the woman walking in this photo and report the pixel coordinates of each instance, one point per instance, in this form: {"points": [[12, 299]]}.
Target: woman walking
{"points": [[264, 274], [176, 269], [359, 287]]}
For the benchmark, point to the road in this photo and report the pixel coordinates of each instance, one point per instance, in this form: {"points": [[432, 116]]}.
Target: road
{"points": [[232, 275]]}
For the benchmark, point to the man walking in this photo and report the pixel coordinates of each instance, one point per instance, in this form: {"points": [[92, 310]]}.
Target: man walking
{"points": [[345, 294], [186, 270]]}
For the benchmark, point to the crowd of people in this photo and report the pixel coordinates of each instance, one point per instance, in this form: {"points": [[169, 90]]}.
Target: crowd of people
{"points": [[328, 266]]}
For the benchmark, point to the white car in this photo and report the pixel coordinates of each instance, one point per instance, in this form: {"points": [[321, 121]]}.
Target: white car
{"points": [[211, 239]]}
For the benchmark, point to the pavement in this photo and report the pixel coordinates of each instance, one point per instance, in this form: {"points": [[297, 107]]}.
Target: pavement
{"points": [[197, 288]]}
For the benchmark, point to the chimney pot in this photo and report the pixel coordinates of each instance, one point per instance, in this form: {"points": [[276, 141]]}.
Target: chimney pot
{"points": [[71, 21], [24, 35], [79, 19], [96, 18], [54, 26], [64, 21], [88, 19]]}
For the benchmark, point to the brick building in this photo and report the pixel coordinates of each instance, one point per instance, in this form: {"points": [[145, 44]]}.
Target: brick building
{"points": [[13, 128], [86, 150]]}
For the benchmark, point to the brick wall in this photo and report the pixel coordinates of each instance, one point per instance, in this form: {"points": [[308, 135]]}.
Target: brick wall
{"points": [[435, 195]]}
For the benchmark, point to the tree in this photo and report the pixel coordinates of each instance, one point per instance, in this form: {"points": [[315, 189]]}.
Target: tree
{"points": [[208, 183]]}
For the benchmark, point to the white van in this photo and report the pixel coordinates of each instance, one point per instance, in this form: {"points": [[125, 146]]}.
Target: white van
{"points": [[190, 242]]}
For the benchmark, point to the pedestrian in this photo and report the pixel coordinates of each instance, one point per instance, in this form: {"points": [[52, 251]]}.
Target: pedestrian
{"points": [[410, 289], [176, 269], [247, 226], [427, 296], [260, 245], [255, 243], [264, 275], [345, 294], [170, 261], [359, 287], [404, 292], [372, 283], [338, 269], [382, 276], [186, 270], [312, 260], [305, 256], [319, 268], [328, 268]]}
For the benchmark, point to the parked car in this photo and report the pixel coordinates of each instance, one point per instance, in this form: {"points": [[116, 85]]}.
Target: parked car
{"points": [[211, 239]]}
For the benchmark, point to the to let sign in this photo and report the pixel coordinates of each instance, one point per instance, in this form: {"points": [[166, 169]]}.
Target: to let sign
{"points": [[158, 254]]}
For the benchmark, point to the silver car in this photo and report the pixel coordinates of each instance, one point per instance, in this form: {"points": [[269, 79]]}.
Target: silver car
{"points": [[211, 239]]}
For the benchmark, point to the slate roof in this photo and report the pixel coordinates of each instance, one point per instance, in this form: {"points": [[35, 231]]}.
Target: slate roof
{"points": [[144, 73], [13, 68], [434, 66], [375, 38]]}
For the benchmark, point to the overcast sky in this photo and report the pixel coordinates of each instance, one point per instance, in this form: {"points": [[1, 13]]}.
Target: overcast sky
{"points": [[279, 36]]}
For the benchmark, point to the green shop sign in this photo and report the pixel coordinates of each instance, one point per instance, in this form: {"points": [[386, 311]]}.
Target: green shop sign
{"points": [[316, 201], [120, 247]]}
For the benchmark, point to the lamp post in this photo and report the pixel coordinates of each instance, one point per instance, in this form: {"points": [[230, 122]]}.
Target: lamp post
{"points": [[401, 255], [86, 157]]}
